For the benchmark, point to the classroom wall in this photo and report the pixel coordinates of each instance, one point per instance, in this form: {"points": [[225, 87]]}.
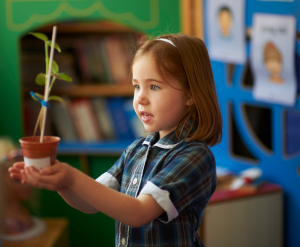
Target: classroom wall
{"points": [[17, 18], [243, 146]]}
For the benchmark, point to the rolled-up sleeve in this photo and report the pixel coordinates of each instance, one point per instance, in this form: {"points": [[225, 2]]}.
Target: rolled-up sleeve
{"points": [[113, 177], [187, 180]]}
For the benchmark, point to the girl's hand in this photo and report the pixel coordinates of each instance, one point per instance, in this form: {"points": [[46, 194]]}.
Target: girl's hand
{"points": [[53, 177], [15, 171]]}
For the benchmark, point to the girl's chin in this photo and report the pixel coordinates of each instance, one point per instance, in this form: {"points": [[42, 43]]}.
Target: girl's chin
{"points": [[150, 129]]}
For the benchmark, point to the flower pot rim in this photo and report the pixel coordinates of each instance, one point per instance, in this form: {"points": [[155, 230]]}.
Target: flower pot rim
{"points": [[36, 141], [39, 154]]}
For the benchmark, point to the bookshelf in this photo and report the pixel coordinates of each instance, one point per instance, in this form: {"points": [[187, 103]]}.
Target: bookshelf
{"points": [[88, 86], [73, 18]]}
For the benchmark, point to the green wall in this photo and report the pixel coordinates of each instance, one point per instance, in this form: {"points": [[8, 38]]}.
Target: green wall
{"points": [[17, 18]]}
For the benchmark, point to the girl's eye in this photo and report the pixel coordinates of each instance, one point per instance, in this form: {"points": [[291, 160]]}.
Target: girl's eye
{"points": [[155, 88], [136, 87]]}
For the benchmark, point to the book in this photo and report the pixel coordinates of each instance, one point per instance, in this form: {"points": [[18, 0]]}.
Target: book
{"points": [[84, 120], [104, 117], [136, 124], [102, 53], [102, 72], [120, 121], [62, 120], [95, 65], [83, 61], [119, 64]]}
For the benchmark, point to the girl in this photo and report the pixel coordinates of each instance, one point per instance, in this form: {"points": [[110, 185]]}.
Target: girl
{"points": [[158, 189], [273, 62]]}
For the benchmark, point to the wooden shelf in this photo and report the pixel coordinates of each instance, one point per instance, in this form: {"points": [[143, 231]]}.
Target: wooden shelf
{"points": [[86, 27], [85, 90]]}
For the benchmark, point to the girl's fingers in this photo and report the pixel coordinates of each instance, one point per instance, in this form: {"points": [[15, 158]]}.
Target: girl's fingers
{"points": [[49, 170], [19, 165], [14, 170], [16, 176], [35, 179], [32, 177]]}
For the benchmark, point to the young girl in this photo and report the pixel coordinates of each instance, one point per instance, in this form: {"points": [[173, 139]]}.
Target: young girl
{"points": [[158, 189]]}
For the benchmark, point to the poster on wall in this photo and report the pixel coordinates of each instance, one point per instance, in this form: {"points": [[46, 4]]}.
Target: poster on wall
{"points": [[226, 30], [272, 58]]}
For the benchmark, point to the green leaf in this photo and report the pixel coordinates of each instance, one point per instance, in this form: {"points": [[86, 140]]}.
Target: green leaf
{"points": [[41, 97], [56, 46], [62, 76], [40, 79], [40, 36], [65, 77], [55, 67], [57, 98]]}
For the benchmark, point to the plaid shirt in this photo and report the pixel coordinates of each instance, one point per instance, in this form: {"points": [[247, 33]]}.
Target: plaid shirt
{"points": [[181, 177]]}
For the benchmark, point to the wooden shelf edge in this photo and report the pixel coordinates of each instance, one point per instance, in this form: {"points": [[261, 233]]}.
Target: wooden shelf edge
{"points": [[86, 90], [88, 27]]}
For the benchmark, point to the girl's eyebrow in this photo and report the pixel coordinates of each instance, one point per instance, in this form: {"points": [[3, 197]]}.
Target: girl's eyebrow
{"points": [[149, 80]]}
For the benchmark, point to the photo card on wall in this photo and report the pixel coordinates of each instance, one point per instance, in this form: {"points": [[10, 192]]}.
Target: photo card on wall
{"points": [[226, 30], [273, 58]]}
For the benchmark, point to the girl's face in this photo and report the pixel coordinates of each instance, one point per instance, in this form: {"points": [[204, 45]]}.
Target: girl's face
{"points": [[225, 22], [274, 66], [158, 105]]}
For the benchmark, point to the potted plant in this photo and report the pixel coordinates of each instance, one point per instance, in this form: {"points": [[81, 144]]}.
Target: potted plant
{"points": [[40, 151]]}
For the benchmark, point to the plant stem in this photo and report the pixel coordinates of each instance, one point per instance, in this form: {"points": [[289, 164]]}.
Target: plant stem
{"points": [[46, 55], [37, 123]]}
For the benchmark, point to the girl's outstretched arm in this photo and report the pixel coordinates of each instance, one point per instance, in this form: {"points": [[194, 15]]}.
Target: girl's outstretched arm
{"points": [[131, 211], [76, 201]]}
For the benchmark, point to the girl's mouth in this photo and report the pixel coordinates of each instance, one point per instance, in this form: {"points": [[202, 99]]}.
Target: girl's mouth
{"points": [[146, 117]]}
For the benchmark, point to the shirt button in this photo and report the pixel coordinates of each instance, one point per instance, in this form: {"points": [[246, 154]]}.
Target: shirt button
{"points": [[134, 181], [123, 241]]}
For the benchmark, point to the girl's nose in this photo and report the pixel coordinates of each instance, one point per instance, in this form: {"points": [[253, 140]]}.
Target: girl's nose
{"points": [[142, 98]]}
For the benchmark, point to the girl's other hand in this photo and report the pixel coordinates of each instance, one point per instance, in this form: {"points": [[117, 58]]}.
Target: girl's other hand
{"points": [[15, 171], [53, 177]]}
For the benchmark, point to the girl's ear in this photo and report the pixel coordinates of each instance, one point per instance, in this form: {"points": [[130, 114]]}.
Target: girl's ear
{"points": [[190, 100]]}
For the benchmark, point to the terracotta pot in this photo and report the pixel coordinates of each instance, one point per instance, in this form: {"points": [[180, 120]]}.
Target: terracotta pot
{"points": [[39, 154]]}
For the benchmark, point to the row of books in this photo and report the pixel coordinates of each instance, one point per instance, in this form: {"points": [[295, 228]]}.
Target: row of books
{"points": [[103, 59], [87, 119]]}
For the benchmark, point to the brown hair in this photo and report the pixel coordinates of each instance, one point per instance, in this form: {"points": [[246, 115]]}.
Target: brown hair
{"points": [[271, 52], [189, 64]]}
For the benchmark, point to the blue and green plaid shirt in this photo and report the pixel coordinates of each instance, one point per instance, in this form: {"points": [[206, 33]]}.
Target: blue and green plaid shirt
{"points": [[181, 177]]}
